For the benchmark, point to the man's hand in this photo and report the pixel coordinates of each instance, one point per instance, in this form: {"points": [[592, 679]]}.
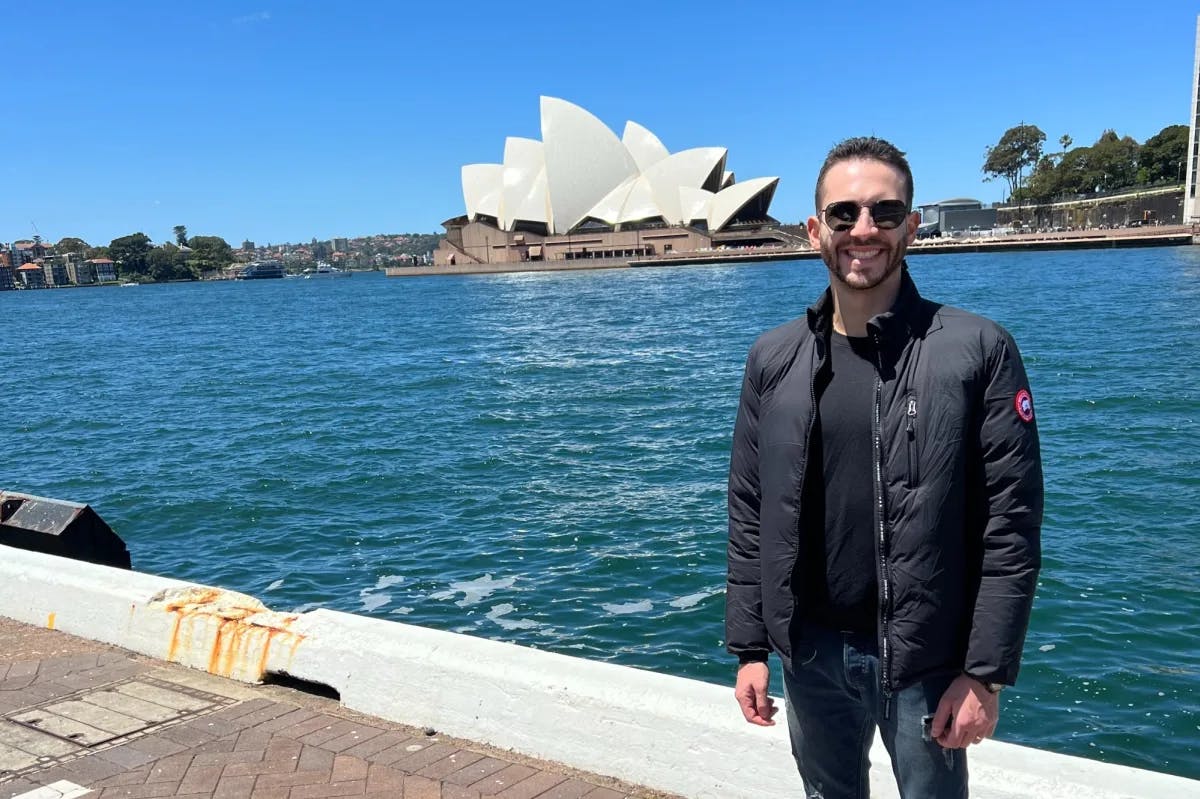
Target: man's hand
{"points": [[751, 693], [966, 714]]}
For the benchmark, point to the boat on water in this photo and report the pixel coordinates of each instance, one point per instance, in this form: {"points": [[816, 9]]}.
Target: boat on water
{"points": [[261, 270], [324, 270]]}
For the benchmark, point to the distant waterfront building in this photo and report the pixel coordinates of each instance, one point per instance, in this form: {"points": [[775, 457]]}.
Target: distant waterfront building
{"points": [[6, 277], [55, 269], [79, 271], [955, 215], [342, 245], [581, 192], [31, 276], [21, 253], [28, 251], [106, 270], [1191, 213]]}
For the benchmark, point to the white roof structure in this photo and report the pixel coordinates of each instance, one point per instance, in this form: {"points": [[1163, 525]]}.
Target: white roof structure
{"points": [[524, 165], [728, 202], [643, 145], [481, 188], [581, 171]]}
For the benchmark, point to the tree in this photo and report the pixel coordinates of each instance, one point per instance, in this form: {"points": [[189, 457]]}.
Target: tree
{"points": [[1018, 149], [72, 245], [1115, 161], [1045, 183], [209, 253], [1076, 172], [1065, 141], [167, 263], [131, 254], [181, 235], [1164, 155]]}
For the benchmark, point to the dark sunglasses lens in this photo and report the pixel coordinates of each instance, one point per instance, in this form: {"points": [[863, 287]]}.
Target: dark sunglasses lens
{"points": [[842, 216], [889, 214]]}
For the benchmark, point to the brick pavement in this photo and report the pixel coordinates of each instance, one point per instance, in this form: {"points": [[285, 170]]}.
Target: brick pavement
{"points": [[78, 718]]}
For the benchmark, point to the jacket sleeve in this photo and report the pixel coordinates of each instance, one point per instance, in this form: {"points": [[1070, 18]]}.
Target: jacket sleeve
{"points": [[1011, 499], [745, 633]]}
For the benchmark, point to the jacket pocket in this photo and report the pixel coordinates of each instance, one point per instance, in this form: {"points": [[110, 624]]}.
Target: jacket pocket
{"points": [[910, 435]]}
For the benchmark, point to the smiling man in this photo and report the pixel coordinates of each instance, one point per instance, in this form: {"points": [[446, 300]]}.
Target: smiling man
{"points": [[885, 506]]}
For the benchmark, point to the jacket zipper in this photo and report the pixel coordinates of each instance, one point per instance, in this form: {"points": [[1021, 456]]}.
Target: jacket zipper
{"points": [[910, 427], [885, 650], [812, 420]]}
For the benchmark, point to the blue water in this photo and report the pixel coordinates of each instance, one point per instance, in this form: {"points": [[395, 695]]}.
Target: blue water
{"points": [[541, 458]]}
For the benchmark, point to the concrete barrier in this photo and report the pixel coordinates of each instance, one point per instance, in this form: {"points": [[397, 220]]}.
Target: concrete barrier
{"points": [[670, 733]]}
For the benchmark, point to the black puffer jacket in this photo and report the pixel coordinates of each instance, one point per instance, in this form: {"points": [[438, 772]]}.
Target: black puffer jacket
{"points": [[957, 486]]}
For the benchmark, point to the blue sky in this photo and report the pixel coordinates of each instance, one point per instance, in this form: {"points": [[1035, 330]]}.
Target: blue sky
{"points": [[287, 121]]}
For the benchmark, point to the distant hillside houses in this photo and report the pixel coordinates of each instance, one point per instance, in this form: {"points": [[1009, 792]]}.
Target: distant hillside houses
{"points": [[33, 264], [362, 252]]}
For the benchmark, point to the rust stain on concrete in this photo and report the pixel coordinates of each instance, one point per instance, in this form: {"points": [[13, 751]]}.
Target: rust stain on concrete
{"points": [[224, 632]]}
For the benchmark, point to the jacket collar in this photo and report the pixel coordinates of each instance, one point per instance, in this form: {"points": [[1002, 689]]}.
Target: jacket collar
{"points": [[900, 321]]}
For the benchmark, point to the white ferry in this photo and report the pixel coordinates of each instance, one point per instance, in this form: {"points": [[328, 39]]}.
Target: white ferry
{"points": [[324, 270]]}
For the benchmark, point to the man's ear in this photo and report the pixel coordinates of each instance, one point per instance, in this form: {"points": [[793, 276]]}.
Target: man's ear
{"points": [[914, 222]]}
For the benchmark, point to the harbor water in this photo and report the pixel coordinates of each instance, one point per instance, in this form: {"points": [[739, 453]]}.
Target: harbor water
{"points": [[541, 458]]}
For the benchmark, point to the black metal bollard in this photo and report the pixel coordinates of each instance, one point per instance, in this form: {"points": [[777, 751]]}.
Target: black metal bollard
{"points": [[57, 527]]}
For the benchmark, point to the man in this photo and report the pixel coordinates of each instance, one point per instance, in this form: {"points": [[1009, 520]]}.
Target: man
{"points": [[885, 506]]}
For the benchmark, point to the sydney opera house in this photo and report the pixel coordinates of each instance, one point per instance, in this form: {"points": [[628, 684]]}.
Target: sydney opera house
{"points": [[581, 192]]}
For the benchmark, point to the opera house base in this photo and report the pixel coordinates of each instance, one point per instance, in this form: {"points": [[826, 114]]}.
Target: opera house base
{"points": [[471, 247], [669, 734]]}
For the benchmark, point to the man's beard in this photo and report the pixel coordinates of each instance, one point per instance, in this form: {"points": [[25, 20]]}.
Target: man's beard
{"points": [[895, 252]]}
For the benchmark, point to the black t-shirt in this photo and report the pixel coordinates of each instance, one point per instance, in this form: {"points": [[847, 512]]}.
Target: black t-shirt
{"points": [[840, 582]]}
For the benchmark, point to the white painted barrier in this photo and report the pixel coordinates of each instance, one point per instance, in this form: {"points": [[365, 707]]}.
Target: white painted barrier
{"points": [[664, 732]]}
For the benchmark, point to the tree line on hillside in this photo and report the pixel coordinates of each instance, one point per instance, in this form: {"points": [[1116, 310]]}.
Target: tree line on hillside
{"points": [[190, 257], [1113, 162], [138, 258], [412, 244]]}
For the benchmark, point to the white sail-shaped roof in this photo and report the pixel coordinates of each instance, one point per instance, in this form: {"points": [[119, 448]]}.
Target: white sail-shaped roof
{"points": [[482, 186], [727, 202], [694, 167], [535, 206], [694, 203], [640, 204], [727, 180], [609, 207], [643, 145], [523, 162], [584, 161], [523, 153]]}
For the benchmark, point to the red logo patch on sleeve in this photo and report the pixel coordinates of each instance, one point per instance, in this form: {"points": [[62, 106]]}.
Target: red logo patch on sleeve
{"points": [[1023, 402]]}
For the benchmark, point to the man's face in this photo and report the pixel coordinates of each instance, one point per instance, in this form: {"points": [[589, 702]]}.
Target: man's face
{"points": [[865, 256]]}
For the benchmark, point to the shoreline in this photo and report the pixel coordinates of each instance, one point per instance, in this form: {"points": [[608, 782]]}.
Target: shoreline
{"points": [[1121, 238]]}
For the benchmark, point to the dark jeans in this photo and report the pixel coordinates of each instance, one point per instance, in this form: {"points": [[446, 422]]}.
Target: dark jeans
{"points": [[834, 704]]}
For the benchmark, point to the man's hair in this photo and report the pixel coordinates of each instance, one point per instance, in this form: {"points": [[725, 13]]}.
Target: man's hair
{"points": [[867, 148]]}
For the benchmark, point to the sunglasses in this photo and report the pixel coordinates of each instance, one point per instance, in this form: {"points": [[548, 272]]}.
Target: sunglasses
{"points": [[885, 214]]}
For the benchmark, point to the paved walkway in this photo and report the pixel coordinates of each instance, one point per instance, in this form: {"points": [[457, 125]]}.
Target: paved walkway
{"points": [[78, 718]]}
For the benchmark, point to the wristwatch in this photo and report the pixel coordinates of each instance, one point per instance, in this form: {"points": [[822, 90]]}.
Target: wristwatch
{"points": [[992, 687]]}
